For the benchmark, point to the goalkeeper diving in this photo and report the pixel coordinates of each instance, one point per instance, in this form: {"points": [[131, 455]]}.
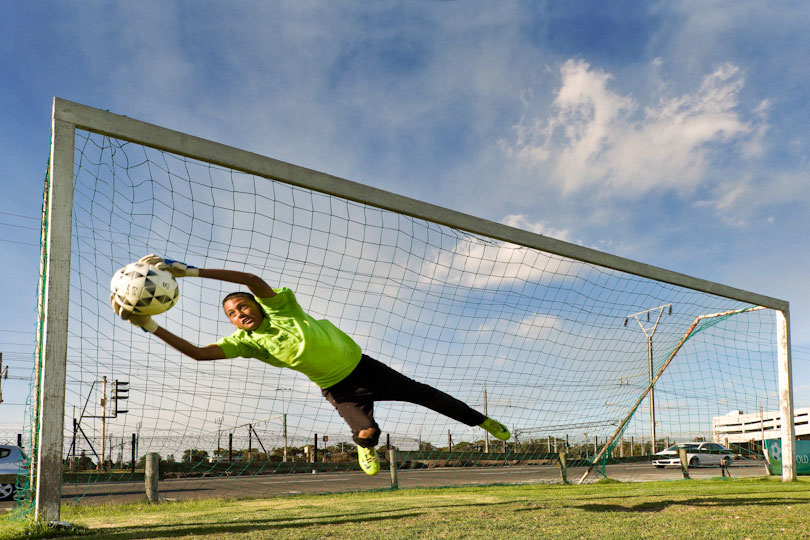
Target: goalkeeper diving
{"points": [[271, 326]]}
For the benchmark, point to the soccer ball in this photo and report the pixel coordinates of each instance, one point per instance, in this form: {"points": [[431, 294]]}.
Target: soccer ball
{"points": [[142, 289]]}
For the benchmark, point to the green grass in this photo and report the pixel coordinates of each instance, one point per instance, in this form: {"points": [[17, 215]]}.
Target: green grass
{"points": [[735, 509]]}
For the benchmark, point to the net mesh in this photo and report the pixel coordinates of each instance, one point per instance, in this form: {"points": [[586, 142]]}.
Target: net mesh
{"points": [[538, 341]]}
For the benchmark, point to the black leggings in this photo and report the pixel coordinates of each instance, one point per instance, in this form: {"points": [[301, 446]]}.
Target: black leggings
{"points": [[371, 381]]}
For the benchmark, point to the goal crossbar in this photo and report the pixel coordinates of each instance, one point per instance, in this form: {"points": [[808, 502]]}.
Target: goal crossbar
{"points": [[124, 128]]}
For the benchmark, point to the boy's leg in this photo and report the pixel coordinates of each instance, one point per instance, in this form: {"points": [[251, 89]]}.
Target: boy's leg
{"points": [[391, 385], [358, 414], [372, 381]]}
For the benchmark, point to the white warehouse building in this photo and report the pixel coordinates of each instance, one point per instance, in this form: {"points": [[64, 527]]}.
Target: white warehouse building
{"points": [[737, 427]]}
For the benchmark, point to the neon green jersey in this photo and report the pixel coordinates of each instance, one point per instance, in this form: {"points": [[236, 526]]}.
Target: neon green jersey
{"points": [[288, 337]]}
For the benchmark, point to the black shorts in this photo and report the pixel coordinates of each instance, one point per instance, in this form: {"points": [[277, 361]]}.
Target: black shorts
{"points": [[371, 381]]}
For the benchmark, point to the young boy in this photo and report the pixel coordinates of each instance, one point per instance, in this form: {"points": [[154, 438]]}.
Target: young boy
{"points": [[271, 326]]}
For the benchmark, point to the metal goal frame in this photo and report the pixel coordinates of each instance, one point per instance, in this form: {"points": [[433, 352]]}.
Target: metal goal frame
{"points": [[48, 414]]}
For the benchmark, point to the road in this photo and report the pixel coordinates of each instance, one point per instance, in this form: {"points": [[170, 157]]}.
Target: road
{"points": [[333, 482]]}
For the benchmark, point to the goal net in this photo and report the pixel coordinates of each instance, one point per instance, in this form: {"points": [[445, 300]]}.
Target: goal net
{"points": [[562, 344]]}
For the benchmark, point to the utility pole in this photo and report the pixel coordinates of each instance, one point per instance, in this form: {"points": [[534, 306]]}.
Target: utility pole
{"points": [[649, 332], [103, 403], [137, 437], [218, 421], [284, 422], [284, 458], [3, 376], [486, 413]]}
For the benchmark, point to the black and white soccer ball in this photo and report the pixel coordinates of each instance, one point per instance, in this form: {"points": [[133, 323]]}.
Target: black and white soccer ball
{"points": [[143, 289]]}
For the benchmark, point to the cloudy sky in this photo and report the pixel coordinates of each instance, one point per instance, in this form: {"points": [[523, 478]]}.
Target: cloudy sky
{"points": [[674, 133]]}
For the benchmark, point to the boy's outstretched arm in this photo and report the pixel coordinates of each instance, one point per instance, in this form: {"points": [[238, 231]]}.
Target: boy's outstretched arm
{"points": [[209, 352], [258, 287]]}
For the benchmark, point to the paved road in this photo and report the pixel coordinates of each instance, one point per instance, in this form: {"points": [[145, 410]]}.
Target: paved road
{"points": [[332, 482]]}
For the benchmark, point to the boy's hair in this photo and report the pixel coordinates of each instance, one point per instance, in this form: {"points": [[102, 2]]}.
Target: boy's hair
{"points": [[239, 294]]}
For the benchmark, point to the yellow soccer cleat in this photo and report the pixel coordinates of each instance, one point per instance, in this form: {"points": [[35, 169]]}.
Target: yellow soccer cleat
{"points": [[368, 460], [496, 429]]}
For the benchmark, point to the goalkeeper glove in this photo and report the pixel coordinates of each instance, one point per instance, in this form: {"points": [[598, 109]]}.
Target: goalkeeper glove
{"points": [[176, 268], [144, 322]]}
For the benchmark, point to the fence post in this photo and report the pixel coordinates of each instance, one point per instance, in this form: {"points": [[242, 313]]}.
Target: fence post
{"points": [[151, 476], [684, 463], [392, 460], [563, 473]]}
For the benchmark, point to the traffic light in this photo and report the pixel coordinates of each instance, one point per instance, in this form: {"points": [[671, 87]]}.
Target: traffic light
{"points": [[120, 392]]}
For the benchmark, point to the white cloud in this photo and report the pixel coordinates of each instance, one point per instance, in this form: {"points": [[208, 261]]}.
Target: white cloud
{"points": [[535, 327], [738, 199], [479, 265], [596, 138]]}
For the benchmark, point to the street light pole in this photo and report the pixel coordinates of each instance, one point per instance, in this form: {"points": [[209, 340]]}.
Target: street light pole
{"points": [[652, 392], [218, 421], [284, 422], [3, 376], [649, 332], [486, 413]]}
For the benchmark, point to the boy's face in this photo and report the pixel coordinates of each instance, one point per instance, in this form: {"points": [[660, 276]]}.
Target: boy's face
{"points": [[243, 313]]}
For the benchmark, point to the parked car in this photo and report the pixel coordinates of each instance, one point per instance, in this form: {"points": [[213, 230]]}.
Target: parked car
{"points": [[12, 461], [697, 454]]}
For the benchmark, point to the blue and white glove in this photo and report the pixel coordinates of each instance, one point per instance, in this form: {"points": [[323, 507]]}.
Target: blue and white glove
{"points": [[144, 322], [176, 268]]}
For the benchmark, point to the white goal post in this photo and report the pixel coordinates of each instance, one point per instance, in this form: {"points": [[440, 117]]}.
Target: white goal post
{"points": [[48, 418]]}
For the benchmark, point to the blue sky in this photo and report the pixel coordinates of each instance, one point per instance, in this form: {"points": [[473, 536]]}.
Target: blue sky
{"points": [[673, 133]]}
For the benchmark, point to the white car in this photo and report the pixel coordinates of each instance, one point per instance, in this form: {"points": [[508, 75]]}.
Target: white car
{"points": [[12, 460], [697, 454]]}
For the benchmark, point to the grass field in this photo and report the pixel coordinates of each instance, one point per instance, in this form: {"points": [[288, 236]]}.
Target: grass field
{"points": [[736, 509]]}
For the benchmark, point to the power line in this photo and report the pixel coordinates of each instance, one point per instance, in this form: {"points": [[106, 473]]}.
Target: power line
{"points": [[21, 243], [38, 218], [20, 226]]}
